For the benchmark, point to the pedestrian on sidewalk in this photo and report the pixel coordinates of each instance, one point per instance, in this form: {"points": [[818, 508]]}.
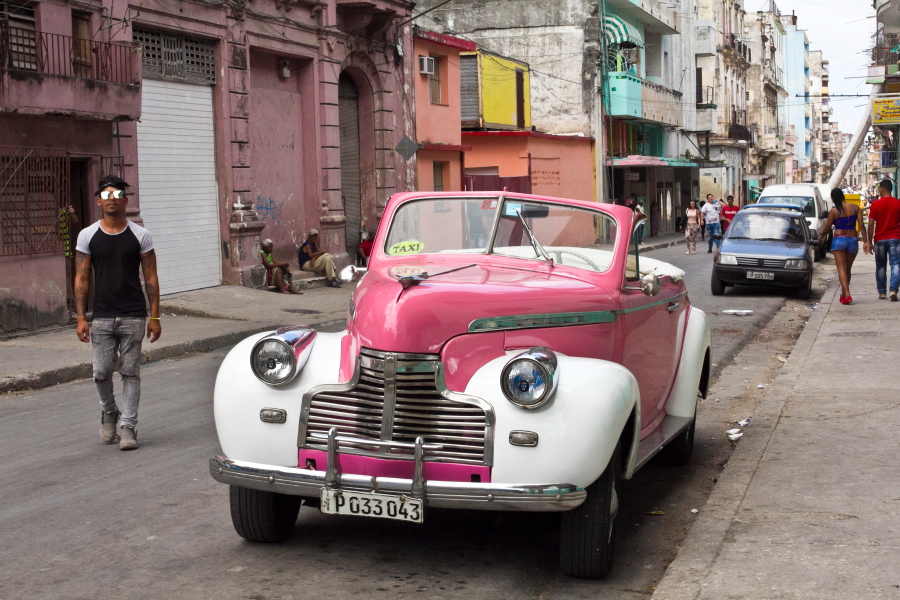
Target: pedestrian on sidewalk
{"points": [[709, 198], [711, 217], [845, 217], [116, 250], [884, 238], [313, 258], [692, 225], [277, 274], [728, 211], [654, 219]]}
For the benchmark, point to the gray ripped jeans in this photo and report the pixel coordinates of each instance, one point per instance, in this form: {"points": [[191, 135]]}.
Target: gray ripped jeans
{"points": [[117, 347]]}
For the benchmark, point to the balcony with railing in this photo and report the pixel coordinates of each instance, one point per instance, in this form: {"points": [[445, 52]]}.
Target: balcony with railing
{"points": [[737, 124], [732, 42], [657, 16], [706, 97], [46, 73]]}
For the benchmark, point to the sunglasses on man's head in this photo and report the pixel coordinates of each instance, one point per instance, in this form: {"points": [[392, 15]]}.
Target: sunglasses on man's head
{"points": [[117, 194]]}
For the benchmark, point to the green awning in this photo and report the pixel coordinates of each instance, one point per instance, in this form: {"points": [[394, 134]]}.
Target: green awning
{"points": [[619, 31]]}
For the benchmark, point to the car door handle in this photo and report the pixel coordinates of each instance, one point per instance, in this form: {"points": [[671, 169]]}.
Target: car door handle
{"points": [[673, 306]]}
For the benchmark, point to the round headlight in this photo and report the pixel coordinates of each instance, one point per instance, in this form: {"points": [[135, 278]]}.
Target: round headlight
{"points": [[528, 380], [273, 361]]}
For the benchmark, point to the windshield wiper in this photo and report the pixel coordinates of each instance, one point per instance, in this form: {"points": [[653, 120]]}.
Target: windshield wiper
{"points": [[407, 281], [538, 249]]}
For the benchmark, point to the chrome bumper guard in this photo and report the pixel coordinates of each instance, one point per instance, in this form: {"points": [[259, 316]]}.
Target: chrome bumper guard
{"points": [[435, 494]]}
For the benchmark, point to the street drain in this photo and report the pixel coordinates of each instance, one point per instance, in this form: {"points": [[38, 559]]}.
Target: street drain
{"points": [[301, 311], [855, 333]]}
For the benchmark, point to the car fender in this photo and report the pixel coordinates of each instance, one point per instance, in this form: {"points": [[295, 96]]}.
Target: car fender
{"points": [[239, 397], [690, 379], [578, 428]]}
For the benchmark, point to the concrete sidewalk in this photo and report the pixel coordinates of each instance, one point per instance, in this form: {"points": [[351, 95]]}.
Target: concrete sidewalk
{"points": [[808, 506], [192, 322]]}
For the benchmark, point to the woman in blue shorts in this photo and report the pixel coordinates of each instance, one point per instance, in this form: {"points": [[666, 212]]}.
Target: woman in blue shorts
{"points": [[845, 217]]}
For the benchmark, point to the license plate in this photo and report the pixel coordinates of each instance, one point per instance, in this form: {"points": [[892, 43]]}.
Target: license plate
{"points": [[760, 275], [360, 504]]}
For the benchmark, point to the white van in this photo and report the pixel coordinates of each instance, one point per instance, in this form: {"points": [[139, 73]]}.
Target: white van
{"points": [[809, 197]]}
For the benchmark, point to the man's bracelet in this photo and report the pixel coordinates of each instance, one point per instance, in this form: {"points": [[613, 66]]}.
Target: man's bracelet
{"points": [[154, 318]]}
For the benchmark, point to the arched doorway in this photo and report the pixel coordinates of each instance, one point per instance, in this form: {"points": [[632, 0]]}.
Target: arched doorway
{"points": [[351, 193]]}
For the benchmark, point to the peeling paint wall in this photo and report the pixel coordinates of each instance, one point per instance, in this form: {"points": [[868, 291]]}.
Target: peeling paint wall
{"points": [[32, 292]]}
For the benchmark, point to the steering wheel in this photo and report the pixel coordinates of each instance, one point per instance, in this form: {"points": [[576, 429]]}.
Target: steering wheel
{"points": [[559, 254]]}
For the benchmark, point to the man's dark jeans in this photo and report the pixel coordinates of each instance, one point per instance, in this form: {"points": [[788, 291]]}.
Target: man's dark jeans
{"points": [[711, 230], [886, 250]]}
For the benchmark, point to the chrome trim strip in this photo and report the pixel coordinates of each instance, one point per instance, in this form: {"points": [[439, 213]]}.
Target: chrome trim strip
{"points": [[540, 321], [390, 399], [436, 494]]}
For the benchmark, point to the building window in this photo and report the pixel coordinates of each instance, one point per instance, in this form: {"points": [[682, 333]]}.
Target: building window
{"points": [[22, 38], [434, 80], [176, 57], [81, 45], [438, 173]]}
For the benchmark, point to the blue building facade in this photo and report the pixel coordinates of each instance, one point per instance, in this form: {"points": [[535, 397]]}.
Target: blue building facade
{"points": [[799, 105]]}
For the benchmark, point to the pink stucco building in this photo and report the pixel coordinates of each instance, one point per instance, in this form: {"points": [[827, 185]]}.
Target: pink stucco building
{"points": [[263, 119], [440, 157]]}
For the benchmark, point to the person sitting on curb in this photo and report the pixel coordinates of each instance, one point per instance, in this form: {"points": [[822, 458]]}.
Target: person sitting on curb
{"points": [[312, 258], [277, 274]]}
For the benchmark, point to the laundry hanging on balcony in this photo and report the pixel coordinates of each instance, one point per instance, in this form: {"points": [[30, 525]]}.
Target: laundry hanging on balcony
{"points": [[620, 32]]}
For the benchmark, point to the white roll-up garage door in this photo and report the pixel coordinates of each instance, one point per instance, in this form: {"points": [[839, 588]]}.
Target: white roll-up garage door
{"points": [[179, 196]]}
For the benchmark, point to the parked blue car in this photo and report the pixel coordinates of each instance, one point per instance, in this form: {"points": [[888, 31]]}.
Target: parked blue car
{"points": [[766, 245]]}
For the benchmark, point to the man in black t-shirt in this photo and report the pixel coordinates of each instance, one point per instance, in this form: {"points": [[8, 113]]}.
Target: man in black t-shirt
{"points": [[116, 249]]}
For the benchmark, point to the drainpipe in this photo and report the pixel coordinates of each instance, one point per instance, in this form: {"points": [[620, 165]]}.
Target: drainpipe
{"points": [[858, 138]]}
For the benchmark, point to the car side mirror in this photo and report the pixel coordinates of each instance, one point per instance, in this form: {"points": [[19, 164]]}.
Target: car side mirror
{"points": [[717, 236], [351, 273], [650, 284], [823, 214], [815, 243]]}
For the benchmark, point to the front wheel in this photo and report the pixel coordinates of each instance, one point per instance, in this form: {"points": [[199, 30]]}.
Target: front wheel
{"points": [[587, 535], [678, 452], [716, 285], [263, 516], [804, 291]]}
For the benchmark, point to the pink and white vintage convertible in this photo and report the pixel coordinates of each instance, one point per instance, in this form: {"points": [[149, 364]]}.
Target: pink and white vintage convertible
{"points": [[502, 352]]}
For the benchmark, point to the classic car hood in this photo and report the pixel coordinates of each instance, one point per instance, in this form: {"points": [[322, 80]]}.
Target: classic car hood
{"points": [[423, 317], [761, 248]]}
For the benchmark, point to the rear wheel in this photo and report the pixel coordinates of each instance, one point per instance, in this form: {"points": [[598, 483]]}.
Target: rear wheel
{"points": [[716, 285], [678, 452], [263, 516], [587, 535]]}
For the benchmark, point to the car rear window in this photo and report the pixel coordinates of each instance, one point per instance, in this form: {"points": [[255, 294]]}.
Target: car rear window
{"points": [[807, 203]]}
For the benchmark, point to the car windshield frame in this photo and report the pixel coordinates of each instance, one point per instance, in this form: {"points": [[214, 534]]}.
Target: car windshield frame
{"points": [[737, 225], [499, 205], [809, 206]]}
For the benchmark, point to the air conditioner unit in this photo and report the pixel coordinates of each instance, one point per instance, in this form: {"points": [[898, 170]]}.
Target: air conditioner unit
{"points": [[643, 138], [426, 65]]}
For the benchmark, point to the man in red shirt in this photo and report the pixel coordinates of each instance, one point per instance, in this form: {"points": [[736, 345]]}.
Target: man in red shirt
{"points": [[884, 230], [728, 211]]}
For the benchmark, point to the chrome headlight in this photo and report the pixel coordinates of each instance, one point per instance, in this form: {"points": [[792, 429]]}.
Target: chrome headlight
{"points": [[529, 379], [277, 358], [726, 259], [795, 263]]}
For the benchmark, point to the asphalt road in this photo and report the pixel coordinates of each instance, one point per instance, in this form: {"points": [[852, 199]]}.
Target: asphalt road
{"points": [[79, 519]]}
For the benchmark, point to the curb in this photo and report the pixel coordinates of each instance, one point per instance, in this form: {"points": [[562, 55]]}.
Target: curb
{"points": [[661, 245], [704, 540]]}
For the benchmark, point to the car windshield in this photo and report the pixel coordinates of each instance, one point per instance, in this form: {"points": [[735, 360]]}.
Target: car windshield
{"points": [[754, 226], [570, 236], [806, 203]]}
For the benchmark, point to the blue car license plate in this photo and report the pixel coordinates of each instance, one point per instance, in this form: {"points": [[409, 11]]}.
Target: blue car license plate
{"points": [[760, 275]]}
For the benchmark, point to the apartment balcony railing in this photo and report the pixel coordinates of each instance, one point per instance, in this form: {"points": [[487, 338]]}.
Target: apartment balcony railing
{"points": [[885, 55], [53, 54], [775, 130], [706, 97], [738, 116], [730, 40]]}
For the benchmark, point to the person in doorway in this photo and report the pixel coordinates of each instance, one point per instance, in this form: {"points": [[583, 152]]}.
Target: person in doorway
{"points": [[313, 258], [883, 237], [845, 217], [728, 211], [639, 215], [117, 251], [277, 274], [711, 217], [68, 220], [654, 219], [365, 247], [691, 226]]}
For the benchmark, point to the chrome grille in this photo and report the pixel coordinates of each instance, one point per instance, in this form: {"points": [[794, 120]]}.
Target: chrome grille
{"points": [[769, 263], [773, 263], [395, 397], [747, 262]]}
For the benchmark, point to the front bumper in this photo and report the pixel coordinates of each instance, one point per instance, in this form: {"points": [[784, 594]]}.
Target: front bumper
{"points": [[436, 494], [737, 275]]}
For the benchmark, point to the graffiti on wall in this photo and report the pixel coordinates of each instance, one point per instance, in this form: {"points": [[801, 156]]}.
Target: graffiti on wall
{"points": [[269, 210]]}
